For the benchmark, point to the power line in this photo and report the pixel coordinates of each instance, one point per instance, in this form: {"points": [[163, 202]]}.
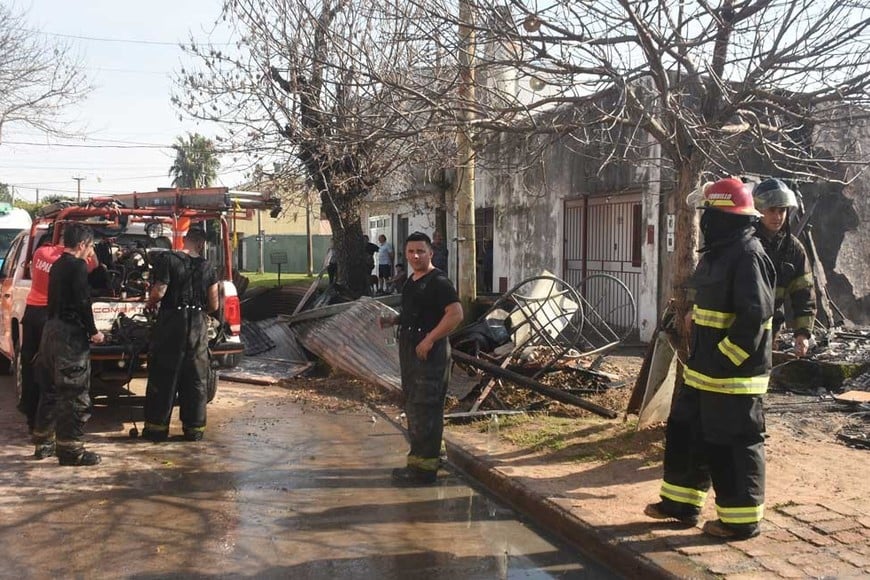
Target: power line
{"points": [[130, 40], [83, 146], [129, 71]]}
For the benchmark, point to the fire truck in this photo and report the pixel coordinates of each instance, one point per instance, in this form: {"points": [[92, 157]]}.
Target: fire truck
{"points": [[130, 231]]}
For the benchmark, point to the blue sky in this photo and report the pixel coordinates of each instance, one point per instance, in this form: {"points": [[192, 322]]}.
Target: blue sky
{"points": [[129, 51]]}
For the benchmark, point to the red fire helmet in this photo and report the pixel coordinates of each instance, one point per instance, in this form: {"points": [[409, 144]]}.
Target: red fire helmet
{"points": [[731, 196]]}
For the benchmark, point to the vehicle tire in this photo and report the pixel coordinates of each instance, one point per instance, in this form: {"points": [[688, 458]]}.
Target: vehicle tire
{"points": [[228, 361], [211, 384]]}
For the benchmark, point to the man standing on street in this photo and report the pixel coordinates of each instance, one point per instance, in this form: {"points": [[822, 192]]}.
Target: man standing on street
{"points": [[794, 278], [63, 367], [430, 312], [716, 425], [385, 263], [439, 252], [186, 287]]}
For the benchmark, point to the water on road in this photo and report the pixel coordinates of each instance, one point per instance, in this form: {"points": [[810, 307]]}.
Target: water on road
{"points": [[277, 490]]}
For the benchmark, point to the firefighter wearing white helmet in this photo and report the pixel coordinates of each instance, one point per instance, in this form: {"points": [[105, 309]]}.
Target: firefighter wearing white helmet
{"points": [[715, 429], [794, 277]]}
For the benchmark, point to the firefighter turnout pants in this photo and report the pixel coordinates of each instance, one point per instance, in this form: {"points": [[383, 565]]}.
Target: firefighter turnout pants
{"points": [[716, 438], [178, 366], [32, 323], [424, 384], [63, 372]]}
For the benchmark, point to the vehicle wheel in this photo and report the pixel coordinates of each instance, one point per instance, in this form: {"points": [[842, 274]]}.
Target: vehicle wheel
{"points": [[228, 361], [212, 384]]}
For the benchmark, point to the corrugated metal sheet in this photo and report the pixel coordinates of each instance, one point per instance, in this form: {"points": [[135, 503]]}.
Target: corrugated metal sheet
{"points": [[285, 339], [351, 341]]}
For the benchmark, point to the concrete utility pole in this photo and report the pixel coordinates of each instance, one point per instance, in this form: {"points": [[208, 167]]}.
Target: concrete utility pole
{"points": [[260, 242], [308, 234], [78, 181], [466, 244]]}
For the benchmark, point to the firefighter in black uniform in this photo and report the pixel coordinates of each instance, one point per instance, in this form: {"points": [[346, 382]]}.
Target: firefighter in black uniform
{"points": [[63, 365], [186, 287], [716, 425], [430, 312], [794, 276]]}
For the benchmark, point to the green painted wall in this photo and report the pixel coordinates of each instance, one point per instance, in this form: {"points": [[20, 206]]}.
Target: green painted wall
{"points": [[295, 246]]}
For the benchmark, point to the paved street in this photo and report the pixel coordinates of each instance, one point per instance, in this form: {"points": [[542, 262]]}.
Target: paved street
{"points": [[275, 491]]}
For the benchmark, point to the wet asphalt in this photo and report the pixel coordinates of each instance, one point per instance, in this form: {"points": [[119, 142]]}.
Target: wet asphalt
{"points": [[278, 489]]}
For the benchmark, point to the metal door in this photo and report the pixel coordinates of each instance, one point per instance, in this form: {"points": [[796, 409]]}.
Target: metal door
{"points": [[602, 236]]}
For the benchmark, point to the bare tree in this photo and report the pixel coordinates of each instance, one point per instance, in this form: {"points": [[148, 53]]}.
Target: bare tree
{"points": [[39, 79], [308, 93], [720, 88]]}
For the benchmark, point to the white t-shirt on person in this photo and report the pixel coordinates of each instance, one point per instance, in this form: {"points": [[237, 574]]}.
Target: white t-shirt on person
{"points": [[385, 253]]}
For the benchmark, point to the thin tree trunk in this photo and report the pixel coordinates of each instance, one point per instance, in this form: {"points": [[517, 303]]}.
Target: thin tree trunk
{"points": [[685, 258]]}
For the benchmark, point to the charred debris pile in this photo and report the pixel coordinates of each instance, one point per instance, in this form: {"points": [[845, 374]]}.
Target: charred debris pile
{"points": [[540, 343]]}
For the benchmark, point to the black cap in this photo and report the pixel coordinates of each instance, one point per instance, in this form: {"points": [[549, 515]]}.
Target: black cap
{"points": [[196, 235]]}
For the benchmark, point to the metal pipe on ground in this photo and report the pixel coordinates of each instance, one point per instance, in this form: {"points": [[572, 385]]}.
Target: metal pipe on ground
{"points": [[533, 385]]}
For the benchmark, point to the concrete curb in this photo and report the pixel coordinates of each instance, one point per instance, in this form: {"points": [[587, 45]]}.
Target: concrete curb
{"points": [[589, 540]]}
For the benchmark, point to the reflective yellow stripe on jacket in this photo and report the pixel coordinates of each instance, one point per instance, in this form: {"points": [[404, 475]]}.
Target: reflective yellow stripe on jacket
{"points": [[801, 282], [712, 318], [730, 386], [716, 319], [734, 353]]}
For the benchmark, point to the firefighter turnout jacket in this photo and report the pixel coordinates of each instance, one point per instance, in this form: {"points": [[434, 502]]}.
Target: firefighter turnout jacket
{"points": [[716, 425], [732, 315], [794, 280]]}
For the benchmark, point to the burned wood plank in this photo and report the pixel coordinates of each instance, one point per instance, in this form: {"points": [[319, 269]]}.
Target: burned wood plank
{"points": [[533, 385]]}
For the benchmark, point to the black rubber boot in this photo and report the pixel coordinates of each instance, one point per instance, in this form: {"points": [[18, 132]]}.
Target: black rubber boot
{"points": [[667, 510], [86, 458], [719, 529], [45, 449], [193, 435], [155, 436], [408, 476]]}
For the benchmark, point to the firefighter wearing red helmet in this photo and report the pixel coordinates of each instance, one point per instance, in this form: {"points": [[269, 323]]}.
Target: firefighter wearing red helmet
{"points": [[715, 428]]}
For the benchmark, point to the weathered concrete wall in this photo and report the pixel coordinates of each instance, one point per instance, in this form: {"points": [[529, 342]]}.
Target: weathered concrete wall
{"points": [[528, 200], [841, 222]]}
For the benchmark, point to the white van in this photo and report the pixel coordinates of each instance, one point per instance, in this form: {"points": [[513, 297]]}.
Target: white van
{"points": [[12, 221]]}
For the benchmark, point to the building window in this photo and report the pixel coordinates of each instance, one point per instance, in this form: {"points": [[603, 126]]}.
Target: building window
{"points": [[483, 224]]}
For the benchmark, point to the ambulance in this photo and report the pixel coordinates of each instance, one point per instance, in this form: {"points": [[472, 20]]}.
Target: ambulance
{"points": [[12, 221]]}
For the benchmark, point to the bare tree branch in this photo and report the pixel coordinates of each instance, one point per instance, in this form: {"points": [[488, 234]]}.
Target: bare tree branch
{"points": [[39, 79]]}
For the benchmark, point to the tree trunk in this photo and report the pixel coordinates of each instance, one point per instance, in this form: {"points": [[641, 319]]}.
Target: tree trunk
{"points": [[343, 212], [685, 258]]}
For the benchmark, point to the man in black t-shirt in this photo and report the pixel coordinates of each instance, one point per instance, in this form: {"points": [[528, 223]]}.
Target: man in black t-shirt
{"points": [[186, 287], [430, 312], [63, 366]]}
